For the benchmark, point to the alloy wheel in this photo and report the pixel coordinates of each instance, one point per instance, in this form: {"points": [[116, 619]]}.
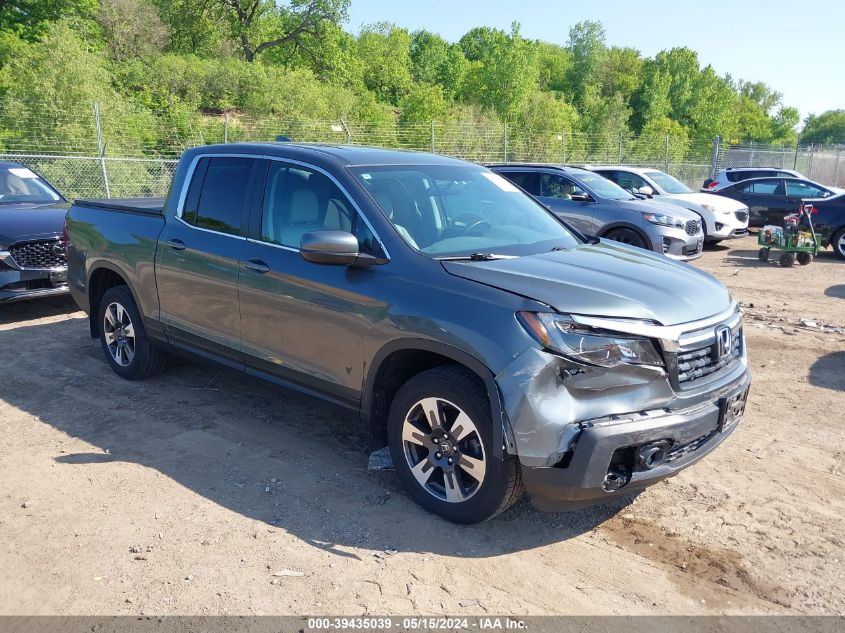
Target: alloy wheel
{"points": [[119, 333], [443, 449]]}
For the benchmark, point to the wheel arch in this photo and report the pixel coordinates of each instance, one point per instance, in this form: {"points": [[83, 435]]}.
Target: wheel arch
{"points": [[102, 276], [399, 360], [607, 228]]}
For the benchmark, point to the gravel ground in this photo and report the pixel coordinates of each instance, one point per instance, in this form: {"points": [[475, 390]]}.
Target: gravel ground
{"points": [[203, 492]]}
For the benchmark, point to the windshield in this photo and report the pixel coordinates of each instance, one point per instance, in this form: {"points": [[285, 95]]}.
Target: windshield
{"points": [[668, 183], [453, 211], [19, 184], [601, 186]]}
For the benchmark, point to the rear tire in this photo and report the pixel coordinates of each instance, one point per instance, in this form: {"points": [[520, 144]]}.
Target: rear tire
{"points": [[763, 254], [838, 243], [626, 236], [787, 260], [123, 339], [440, 415]]}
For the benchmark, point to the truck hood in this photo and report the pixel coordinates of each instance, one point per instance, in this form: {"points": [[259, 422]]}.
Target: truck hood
{"points": [[719, 203], [21, 222], [605, 279]]}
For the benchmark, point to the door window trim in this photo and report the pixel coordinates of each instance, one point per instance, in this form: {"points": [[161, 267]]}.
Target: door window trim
{"points": [[186, 185], [183, 194], [341, 188]]}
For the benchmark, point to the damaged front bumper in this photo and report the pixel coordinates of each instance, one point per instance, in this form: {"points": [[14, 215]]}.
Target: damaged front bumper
{"points": [[584, 435]]}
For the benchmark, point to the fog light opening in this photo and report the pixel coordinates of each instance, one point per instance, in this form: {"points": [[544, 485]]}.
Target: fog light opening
{"points": [[652, 455]]}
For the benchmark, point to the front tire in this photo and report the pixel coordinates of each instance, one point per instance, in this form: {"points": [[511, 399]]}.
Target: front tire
{"points": [[838, 243], [440, 435], [626, 236], [123, 339]]}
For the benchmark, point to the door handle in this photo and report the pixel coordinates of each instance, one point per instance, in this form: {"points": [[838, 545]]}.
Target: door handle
{"points": [[176, 245], [257, 265]]}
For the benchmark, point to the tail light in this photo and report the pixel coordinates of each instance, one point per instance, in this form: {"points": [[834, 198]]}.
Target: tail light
{"points": [[65, 239], [710, 184]]}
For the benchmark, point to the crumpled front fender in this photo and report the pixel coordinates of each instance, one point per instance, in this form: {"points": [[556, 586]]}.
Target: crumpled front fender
{"points": [[545, 396]]}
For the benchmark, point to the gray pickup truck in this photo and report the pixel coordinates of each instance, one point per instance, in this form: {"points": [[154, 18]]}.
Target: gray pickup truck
{"points": [[492, 348]]}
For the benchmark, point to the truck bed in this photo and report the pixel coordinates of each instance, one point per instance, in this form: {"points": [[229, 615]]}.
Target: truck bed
{"points": [[147, 206]]}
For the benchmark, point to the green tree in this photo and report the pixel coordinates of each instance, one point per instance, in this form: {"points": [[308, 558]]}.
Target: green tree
{"points": [[506, 73], [828, 127], [554, 63], [31, 19], [132, 28], [423, 103], [622, 72], [385, 51], [786, 121], [259, 25], [589, 55]]}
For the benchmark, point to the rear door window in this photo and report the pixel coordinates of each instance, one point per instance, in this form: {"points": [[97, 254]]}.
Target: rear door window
{"points": [[761, 187], [528, 180], [217, 196]]}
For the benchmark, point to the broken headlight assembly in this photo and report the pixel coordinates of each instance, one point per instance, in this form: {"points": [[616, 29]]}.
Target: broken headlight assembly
{"points": [[587, 346]]}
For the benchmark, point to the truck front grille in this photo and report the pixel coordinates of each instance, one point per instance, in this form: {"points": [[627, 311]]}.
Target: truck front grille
{"points": [[39, 255], [742, 216], [703, 361], [693, 227]]}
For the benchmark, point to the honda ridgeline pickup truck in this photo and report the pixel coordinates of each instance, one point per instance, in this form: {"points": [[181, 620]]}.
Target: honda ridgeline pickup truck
{"points": [[491, 347]]}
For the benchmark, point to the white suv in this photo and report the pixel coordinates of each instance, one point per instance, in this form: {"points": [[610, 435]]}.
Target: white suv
{"points": [[722, 217], [729, 176]]}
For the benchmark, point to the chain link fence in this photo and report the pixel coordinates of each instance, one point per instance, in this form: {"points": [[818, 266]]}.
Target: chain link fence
{"points": [[120, 151]]}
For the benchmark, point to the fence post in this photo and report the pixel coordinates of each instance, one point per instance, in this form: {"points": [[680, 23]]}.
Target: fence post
{"points": [[348, 133], [666, 155], [795, 158], [810, 162], [433, 151], [506, 141], [714, 155], [101, 149], [563, 146], [225, 127], [619, 162], [836, 169]]}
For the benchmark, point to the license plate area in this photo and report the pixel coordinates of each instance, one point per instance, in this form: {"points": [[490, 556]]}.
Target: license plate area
{"points": [[58, 279], [731, 410]]}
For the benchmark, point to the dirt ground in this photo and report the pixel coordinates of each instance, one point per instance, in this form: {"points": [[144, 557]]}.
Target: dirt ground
{"points": [[203, 492]]}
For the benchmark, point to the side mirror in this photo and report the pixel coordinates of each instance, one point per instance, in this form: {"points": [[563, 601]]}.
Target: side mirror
{"points": [[329, 247], [646, 191], [580, 197]]}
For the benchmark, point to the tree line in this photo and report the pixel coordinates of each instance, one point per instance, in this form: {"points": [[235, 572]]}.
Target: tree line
{"points": [[188, 59]]}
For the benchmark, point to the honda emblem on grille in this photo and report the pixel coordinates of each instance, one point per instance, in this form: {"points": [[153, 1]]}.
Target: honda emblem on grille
{"points": [[58, 249], [724, 341]]}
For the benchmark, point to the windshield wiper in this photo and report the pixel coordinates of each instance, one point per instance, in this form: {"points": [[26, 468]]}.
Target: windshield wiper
{"points": [[476, 257]]}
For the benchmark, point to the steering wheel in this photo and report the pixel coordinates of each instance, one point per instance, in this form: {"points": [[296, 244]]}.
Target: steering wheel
{"points": [[473, 221]]}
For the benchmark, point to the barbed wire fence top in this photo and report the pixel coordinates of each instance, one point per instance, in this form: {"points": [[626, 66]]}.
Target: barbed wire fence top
{"points": [[95, 150]]}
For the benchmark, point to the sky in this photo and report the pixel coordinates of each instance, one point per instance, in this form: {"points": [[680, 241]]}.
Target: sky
{"points": [[796, 47]]}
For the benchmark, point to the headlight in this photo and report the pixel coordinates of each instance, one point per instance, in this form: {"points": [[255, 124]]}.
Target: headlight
{"points": [[586, 346], [664, 220]]}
